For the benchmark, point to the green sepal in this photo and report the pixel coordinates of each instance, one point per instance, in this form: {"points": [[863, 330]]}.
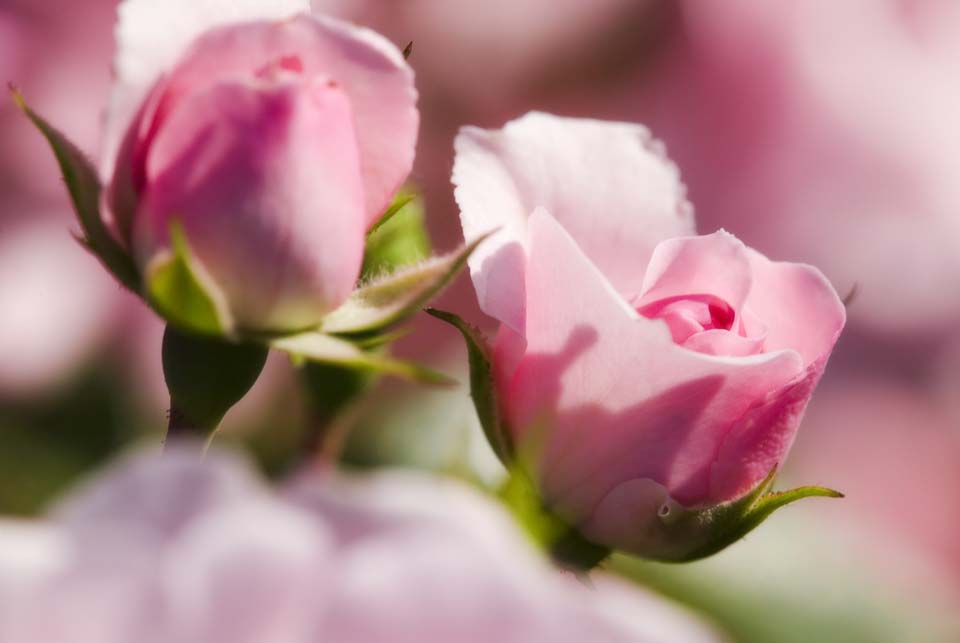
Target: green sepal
{"points": [[689, 534], [398, 239], [730, 522], [399, 203], [678, 535], [206, 376], [483, 389], [327, 349], [175, 287], [389, 300], [83, 185], [381, 339]]}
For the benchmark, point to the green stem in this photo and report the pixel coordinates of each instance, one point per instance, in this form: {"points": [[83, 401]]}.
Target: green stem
{"points": [[565, 544], [206, 376], [180, 428]]}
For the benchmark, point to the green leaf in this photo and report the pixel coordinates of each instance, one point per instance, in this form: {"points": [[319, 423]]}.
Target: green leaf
{"points": [[326, 349], [83, 184], [398, 239], [689, 535], [389, 300], [482, 386], [182, 293], [206, 377]]}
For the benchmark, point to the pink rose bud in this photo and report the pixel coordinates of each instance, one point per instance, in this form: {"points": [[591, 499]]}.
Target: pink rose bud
{"points": [[657, 375], [272, 137]]}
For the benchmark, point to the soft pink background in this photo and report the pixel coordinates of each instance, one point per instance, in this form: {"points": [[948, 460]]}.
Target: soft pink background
{"points": [[819, 131]]}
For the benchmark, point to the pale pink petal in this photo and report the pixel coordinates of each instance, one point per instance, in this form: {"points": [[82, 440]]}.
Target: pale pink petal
{"points": [[798, 305], [152, 35], [30, 554], [760, 439], [394, 556], [716, 264], [610, 184], [247, 573], [261, 177], [626, 402], [802, 311], [723, 342], [161, 495], [663, 621]]}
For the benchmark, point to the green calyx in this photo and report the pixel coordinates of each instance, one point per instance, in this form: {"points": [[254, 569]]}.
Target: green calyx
{"points": [[181, 293], [691, 534], [670, 532], [482, 386]]}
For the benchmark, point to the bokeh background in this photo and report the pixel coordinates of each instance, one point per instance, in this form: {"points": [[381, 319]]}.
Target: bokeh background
{"points": [[814, 130]]}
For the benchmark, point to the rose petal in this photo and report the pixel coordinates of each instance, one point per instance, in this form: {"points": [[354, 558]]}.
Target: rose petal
{"points": [[758, 441], [608, 183], [257, 583], [630, 404], [30, 554], [151, 37], [160, 494], [798, 305], [715, 264], [723, 342]]}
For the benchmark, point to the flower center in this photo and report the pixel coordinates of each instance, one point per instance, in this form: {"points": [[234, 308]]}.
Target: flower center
{"points": [[691, 314], [279, 67]]}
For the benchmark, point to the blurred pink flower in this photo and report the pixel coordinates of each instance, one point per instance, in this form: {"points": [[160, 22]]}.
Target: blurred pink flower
{"points": [[11, 44], [482, 58], [823, 132], [64, 69], [661, 368], [275, 143], [178, 548], [58, 305]]}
